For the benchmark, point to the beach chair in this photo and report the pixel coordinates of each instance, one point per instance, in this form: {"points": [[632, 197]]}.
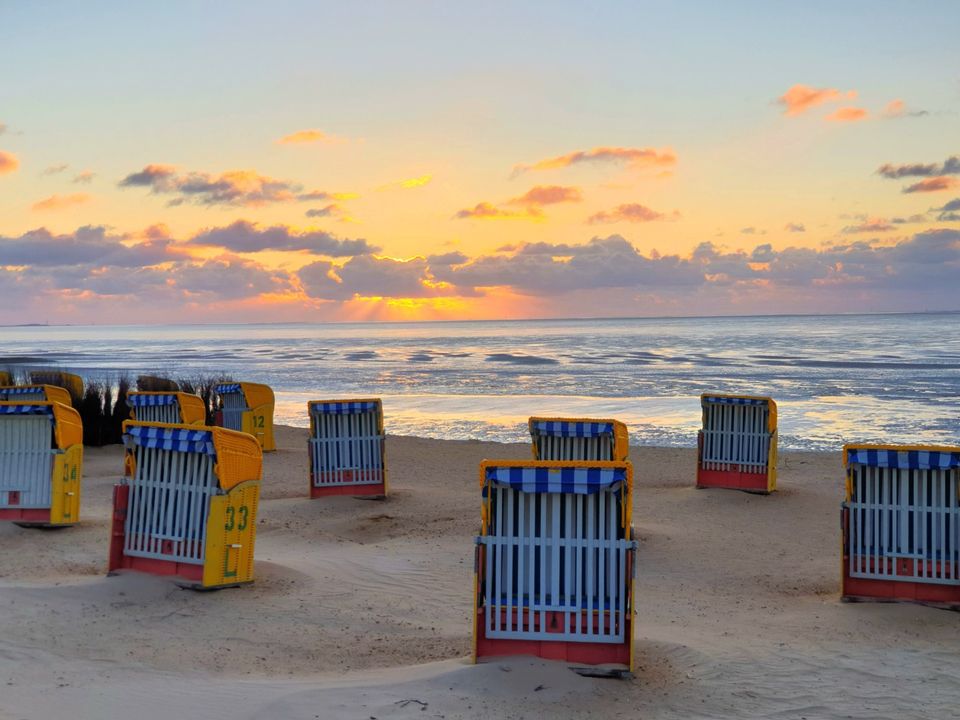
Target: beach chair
{"points": [[187, 506], [73, 384], [167, 407], [737, 447], [41, 463], [34, 393], [901, 524], [247, 407], [578, 439], [346, 448], [555, 561]]}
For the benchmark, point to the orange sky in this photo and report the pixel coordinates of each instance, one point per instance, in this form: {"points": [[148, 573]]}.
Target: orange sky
{"points": [[515, 178]]}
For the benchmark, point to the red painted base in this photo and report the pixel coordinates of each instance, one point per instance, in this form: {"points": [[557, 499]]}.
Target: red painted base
{"points": [[379, 488], [862, 589], [733, 479], [26, 516], [588, 653]]}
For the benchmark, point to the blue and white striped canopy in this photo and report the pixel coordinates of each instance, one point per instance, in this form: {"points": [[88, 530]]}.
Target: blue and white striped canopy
{"points": [[26, 410], [179, 439], [346, 407], [137, 400], [577, 480], [564, 428], [733, 400], [227, 388], [904, 459], [37, 390]]}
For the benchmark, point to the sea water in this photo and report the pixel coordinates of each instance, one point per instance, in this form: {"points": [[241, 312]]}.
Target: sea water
{"points": [[888, 378]]}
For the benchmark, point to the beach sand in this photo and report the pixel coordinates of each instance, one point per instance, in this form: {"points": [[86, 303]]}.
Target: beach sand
{"points": [[361, 609]]}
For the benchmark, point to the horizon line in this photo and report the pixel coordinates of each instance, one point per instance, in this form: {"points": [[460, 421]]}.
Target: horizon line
{"points": [[493, 320]]}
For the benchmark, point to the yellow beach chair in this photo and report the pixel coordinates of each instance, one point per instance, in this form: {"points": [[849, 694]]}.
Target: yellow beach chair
{"points": [[187, 506], [41, 463]]}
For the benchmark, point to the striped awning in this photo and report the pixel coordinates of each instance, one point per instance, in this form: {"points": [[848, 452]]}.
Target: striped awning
{"points": [[564, 428], [179, 439], [347, 407], [26, 410], [37, 390], [733, 400], [227, 388], [577, 480], [904, 459], [138, 400]]}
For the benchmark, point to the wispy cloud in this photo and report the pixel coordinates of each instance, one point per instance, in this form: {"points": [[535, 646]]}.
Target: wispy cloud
{"points": [[54, 170], [934, 184], [801, 98], [407, 184], [8, 163], [847, 114], [795, 227], [243, 188], [630, 212], [246, 237], [898, 109], [950, 166], [950, 212], [322, 195], [631, 157], [331, 210], [306, 137], [84, 177], [871, 225], [541, 195], [60, 202], [487, 211]]}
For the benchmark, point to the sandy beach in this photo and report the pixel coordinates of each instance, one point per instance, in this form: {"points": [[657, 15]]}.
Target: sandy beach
{"points": [[360, 609]]}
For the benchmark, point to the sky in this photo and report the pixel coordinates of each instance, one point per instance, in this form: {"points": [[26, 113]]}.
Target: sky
{"points": [[306, 161]]}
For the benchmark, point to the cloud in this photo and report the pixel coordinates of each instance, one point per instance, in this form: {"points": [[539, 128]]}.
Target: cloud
{"points": [[934, 184], [872, 225], [369, 276], [60, 202], [87, 246], [306, 137], [801, 98], [928, 261], [331, 210], [84, 178], [487, 211], [541, 195], [631, 157], [241, 188], [407, 184], [8, 163], [54, 170], [630, 212], [949, 212], [246, 237], [795, 227], [847, 114], [950, 166], [3, 128], [321, 195], [898, 109]]}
